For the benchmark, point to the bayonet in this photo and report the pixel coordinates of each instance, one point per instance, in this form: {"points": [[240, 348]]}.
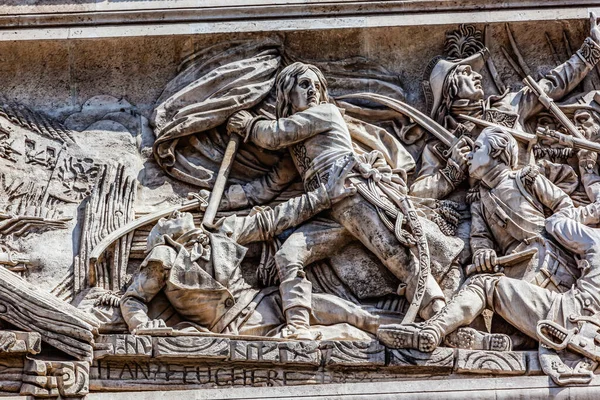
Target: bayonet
{"points": [[568, 140]]}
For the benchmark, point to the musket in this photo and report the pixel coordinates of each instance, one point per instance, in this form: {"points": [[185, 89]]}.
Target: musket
{"points": [[568, 140], [490, 63], [506, 261], [552, 107], [519, 135]]}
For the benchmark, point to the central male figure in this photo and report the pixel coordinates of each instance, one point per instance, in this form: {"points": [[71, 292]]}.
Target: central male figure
{"points": [[315, 132]]}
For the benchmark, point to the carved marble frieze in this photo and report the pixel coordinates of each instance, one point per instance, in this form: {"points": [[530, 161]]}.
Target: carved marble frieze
{"points": [[322, 207]]}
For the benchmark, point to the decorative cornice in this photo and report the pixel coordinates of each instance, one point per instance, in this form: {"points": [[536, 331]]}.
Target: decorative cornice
{"points": [[80, 19]]}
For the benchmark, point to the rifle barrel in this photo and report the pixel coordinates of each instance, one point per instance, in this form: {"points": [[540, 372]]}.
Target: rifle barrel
{"points": [[552, 107], [570, 141]]}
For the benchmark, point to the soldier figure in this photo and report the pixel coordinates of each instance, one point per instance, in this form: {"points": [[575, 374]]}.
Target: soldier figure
{"points": [[562, 321], [585, 110], [315, 132], [199, 272], [510, 211], [509, 216], [456, 89]]}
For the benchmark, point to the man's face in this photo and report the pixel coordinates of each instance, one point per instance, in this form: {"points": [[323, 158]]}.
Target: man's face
{"points": [[479, 159], [469, 83], [306, 92], [586, 123]]}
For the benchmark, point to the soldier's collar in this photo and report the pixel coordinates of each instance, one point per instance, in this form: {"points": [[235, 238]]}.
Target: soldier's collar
{"points": [[495, 175]]}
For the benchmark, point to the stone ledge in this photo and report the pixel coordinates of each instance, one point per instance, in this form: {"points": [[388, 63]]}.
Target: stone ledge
{"points": [[328, 354], [528, 387], [145, 19], [16, 342]]}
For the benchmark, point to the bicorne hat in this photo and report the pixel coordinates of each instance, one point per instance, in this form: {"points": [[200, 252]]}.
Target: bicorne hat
{"points": [[437, 72]]}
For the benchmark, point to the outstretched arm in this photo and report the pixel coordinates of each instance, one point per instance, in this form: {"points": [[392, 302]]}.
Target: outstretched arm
{"points": [[267, 222], [284, 132], [146, 284]]}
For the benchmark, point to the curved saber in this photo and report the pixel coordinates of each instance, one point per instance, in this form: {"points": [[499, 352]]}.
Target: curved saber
{"points": [[101, 247], [412, 219], [209, 214], [426, 122]]}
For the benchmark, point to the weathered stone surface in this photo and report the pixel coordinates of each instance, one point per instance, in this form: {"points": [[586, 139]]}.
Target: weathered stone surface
{"points": [[55, 378], [353, 354], [122, 346], [20, 342], [255, 351], [442, 358], [300, 352], [293, 352], [102, 141], [486, 362], [192, 347]]}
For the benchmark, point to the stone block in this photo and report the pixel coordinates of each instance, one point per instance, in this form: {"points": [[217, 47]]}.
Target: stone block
{"points": [[255, 351], [353, 353], [296, 352], [14, 342], [122, 346], [487, 362], [191, 347]]}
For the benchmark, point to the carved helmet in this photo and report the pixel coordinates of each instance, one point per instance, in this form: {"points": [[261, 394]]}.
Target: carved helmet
{"points": [[437, 72]]}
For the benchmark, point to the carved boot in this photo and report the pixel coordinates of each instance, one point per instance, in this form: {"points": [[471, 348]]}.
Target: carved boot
{"points": [[472, 339], [298, 325], [461, 310], [410, 336]]}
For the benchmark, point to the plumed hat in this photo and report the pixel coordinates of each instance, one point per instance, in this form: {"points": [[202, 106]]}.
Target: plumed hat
{"points": [[437, 72]]}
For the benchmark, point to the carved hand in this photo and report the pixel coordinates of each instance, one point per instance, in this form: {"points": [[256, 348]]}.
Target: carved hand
{"points": [[238, 122], [337, 189], [460, 153], [587, 158], [594, 30], [485, 261]]}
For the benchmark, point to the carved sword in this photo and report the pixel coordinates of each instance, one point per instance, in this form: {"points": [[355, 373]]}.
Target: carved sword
{"points": [[519, 135]]}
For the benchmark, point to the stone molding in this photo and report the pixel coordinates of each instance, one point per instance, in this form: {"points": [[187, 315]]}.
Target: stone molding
{"points": [[83, 20]]}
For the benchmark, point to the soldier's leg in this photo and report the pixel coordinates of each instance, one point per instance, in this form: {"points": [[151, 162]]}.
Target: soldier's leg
{"points": [[569, 228], [329, 310], [311, 242], [519, 303], [362, 220]]}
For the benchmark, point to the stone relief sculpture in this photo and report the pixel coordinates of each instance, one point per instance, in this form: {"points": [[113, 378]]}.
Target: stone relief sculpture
{"points": [[299, 218]]}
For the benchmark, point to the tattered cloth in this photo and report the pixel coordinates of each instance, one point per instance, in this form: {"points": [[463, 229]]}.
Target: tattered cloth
{"points": [[213, 84]]}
